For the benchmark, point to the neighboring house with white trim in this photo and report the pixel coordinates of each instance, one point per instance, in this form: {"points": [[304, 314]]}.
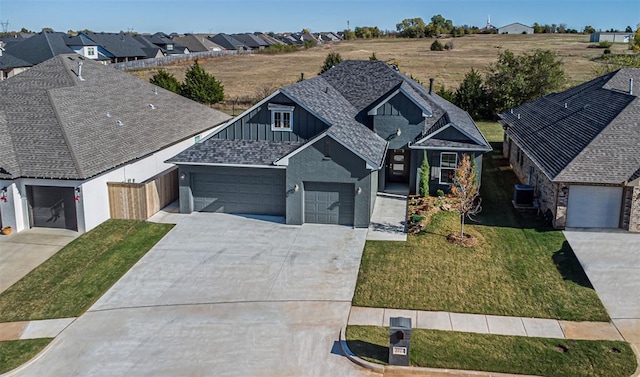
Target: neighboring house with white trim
{"points": [[318, 151], [70, 125]]}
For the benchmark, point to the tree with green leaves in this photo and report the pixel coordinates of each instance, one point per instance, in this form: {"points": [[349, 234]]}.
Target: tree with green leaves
{"points": [[628, 29], [465, 189], [471, 95], [514, 80], [589, 30], [332, 59], [436, 46], [201, 86], [425, 175], [635, 42], [166, 80], [412, 28]]}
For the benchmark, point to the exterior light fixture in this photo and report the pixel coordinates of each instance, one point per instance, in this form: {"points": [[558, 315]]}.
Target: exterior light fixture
{"points": [[76, 194], [296, 188], [183, 176], [359, 191], [3, 195]]}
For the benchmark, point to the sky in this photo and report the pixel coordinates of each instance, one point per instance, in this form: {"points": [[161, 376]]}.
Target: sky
{"points": [[227, 16]]}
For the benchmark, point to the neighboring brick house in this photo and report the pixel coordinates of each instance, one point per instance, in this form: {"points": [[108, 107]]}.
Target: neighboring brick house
{"points": [[580, 150]]}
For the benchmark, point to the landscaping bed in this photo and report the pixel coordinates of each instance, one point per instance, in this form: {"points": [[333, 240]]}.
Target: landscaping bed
{"points": [[499, 353], [69, 282]]}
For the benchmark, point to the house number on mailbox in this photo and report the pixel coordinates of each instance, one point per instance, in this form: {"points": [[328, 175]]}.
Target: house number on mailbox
{"points": [[400, 351]]}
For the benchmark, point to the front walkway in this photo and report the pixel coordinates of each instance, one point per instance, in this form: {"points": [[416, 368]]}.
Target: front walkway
{"points": [[46, 328], [22, 252], [388, 221], [487, 324]]}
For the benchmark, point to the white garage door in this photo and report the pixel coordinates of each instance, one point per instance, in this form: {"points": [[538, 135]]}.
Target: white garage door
{"points": [[594, 207]]}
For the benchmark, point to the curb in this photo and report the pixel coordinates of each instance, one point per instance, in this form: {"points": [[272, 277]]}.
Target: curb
{"points": [[418, 371], [637, 352], [32, 360]]}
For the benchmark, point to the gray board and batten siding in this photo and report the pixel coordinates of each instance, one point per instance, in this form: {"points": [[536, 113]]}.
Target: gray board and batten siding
{"points": [[256, 125], [399, 113]]}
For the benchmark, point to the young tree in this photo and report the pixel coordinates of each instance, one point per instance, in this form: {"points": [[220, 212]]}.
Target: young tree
{"points": [[465, 189], [425, 174], [332, 59], [471, 95], [373, 56], [166, 80], [201, 86], [436, 46]]}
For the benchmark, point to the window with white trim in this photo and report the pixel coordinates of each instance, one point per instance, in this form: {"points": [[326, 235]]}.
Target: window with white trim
{"points": [[448, 164], [91, 51], [281, 118]]}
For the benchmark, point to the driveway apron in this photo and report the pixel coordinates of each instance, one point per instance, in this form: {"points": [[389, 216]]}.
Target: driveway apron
{"points": [[221, 295]]}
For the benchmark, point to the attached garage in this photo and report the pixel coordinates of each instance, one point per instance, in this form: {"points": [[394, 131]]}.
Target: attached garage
{"points": [[594, 207], [239, 190], [329, 203], [52, 207]]}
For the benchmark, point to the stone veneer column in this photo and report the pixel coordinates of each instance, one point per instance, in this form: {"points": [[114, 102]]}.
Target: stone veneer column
{"points": [[634, 216], [560, 220]]}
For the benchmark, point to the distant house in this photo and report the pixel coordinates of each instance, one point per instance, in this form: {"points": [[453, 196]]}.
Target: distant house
{"points": [[84, 46], [10, 65], [515, 28], [40, 47], [580, 151], [196, 42], [251, 40], [270, 40], [151, 50], [228, 42], [84, 128], [611, 37], [118, 47]]}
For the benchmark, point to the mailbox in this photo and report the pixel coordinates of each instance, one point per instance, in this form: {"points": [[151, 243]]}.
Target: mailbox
{"points": [[399, 339]]}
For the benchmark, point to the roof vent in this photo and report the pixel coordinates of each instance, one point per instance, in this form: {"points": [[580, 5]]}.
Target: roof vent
{"points": [[518, 115], [565, 105], [80, 71], [155, 90], [108, 114], [152, 106], [631, 86], [119, 122]]}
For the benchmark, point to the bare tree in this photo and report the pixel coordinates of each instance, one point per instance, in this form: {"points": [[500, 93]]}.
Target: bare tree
{"points": [[465, 189]]}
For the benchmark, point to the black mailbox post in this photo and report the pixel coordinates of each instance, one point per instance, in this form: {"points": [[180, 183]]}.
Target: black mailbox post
{"points": [[399, 339]]}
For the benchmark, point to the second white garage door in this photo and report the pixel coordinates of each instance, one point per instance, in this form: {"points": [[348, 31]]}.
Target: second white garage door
{"points": [[594, 207], [328, 203]]}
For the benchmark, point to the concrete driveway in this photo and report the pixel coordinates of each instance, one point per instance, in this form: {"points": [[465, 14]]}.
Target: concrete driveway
{"points": [[22, 252], [611, 259], [221, 295]]}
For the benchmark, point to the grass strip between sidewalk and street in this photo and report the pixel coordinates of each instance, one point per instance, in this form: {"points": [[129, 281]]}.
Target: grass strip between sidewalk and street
{"points": [[499, 353], [69, 282], [14, 353]]}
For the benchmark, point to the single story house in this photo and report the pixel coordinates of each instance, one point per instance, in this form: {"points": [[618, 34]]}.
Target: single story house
{"points": [[318, 151], [70, 127], [515, 28], [580, 150], [620, 37]]}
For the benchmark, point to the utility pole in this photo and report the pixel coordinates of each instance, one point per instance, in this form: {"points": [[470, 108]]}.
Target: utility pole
{"points": [[348, 26], [5, 26]]}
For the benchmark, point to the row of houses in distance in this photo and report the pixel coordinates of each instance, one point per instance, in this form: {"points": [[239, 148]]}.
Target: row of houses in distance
{"points": [[21, 51]]}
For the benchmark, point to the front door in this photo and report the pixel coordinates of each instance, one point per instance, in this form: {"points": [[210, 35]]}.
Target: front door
{"points": [[398, 165]]}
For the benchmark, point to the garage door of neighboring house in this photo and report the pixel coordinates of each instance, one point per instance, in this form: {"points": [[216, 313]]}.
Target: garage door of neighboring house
{"points": [[328, 203], [52, 207], [240, 190], [594, 207]]}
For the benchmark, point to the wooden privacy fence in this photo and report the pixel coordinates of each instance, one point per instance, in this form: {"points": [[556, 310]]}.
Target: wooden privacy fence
{"points": [[139, 201], [171, 59]]}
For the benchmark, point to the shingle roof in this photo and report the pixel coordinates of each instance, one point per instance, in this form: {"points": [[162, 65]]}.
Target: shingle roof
{"points": [[197, 42], [227, 41], [60, 127], [242, 152], [120, 45], [9, 61], [40, 47], [250, 40], [587, 134]]}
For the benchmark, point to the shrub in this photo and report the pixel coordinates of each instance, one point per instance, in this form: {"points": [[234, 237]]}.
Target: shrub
{"points": [[607, 51], [166, 80], [279, 49], [440, 193], [201, 86], [425, 172], [605, 44], [332, 59], [448, 45], [437, 46]]}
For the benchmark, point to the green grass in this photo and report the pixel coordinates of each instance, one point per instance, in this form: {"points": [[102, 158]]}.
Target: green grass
{"points": [[14, 353], [69, 282], [521, 267], [499, 353], [492, 131]]}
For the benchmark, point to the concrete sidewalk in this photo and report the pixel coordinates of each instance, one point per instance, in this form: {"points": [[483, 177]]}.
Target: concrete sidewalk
{"points": [[388, 221], [47, 328], [487, 324]]}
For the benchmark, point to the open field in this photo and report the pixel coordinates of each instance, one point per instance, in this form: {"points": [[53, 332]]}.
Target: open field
{"points": [[246, 77]]}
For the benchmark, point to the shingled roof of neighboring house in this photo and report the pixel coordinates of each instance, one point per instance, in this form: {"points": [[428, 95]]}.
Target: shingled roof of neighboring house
{"points": [[587, 134], [8, 61], [40, 47], [120, 45], [341, 96], [250, 40], [228, 42], [197, 42], [55, 125]]}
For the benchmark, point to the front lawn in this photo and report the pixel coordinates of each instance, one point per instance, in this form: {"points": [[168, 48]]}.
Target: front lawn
{"points": [[14, 353], [499, 353], [69, 282], [521, 266]]}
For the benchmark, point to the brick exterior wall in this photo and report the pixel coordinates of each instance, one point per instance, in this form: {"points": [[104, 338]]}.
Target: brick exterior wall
{"points": [[550, 196], [634, 209]]}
